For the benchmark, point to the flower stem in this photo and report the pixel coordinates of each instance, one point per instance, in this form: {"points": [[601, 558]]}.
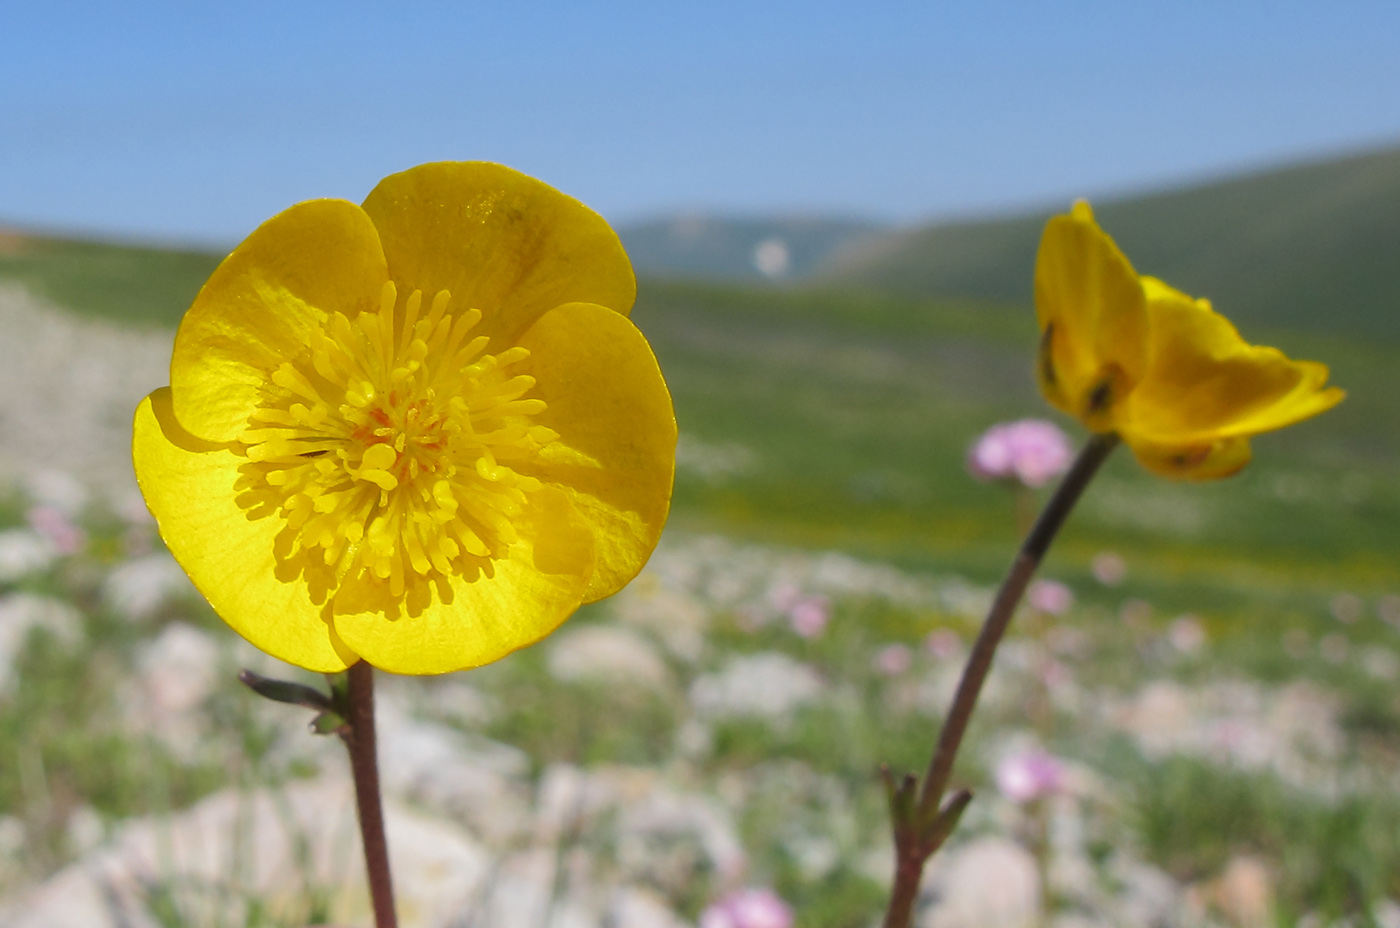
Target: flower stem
{"points": [[360, 741], [920, 829]]}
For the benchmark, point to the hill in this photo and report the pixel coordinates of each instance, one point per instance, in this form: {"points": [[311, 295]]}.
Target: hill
{"points": [[718, 248], [1313, 247], [836, 418], [133, 284]]}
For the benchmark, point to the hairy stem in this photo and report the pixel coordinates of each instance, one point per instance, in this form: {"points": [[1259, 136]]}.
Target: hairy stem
{"points": [[364, 765], [915, 840]]}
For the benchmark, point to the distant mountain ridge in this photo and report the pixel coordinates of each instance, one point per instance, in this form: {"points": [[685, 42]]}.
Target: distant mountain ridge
{"points": [[1313, 246], [752, 249]]}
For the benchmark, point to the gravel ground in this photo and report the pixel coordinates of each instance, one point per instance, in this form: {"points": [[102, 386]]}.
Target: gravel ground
{"points": [[68, 387]]}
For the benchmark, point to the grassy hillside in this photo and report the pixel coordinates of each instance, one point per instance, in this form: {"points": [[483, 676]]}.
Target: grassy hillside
{"points": [[1314, 247], [846, 420], [725, 249], [832, 418], [141, 285]]}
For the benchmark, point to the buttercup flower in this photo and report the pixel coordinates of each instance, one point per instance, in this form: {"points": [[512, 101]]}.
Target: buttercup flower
{"points": [[421, 431], [1128, 354]]}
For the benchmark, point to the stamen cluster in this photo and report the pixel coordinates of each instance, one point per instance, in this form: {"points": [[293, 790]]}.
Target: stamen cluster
{"points": [[391, 445]]}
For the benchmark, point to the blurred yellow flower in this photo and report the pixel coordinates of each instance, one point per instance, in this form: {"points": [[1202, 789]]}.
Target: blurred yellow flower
{"points": [[421, 431], [1128, 354]]}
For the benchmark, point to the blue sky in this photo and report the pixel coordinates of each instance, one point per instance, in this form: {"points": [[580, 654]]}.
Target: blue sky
{"points": [[185, 121]]}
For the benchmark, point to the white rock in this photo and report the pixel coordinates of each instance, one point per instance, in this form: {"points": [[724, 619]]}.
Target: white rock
{"points": [[768, 684], [673, 616], [179, 668], [22, 612], [1245, 892], [478, 781], [232, 847], [70, 385], [607, 654], [1146, 896], [987, 883], [23, 552], [85, 829], [635, 907], [57, 488], [666, 814], [522, 890], [175, 674], [140, 587], [1386, 913]]}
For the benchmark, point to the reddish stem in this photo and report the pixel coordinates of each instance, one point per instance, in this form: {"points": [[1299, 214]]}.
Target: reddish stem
{"points": [[364, 765]]}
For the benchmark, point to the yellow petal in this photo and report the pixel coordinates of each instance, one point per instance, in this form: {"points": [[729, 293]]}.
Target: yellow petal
{"points": [[615, 456], [1093, 319], [1205, 383], [260, 304], [500, 242], [191, 487], [1209, 461], [465, 621]]}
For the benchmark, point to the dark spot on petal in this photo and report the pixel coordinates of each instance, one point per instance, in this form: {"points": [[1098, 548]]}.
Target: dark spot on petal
{"points": [[1099, 397], [1045, 361]]}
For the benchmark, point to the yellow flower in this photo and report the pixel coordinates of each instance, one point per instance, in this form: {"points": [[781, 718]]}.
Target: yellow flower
{"points": [[421, 431], [1128, 354]]}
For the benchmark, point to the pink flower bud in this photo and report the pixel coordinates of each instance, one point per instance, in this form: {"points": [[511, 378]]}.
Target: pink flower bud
{"points": [[1032, 452]]}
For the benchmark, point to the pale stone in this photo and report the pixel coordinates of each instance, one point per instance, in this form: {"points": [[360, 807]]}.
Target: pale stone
{"points": [[175, 674], [768, 684], [607, 654], [85, 829], [1244, 893], [21, 613], [23, 552], [60, 408], [57, 488], [673, 616], [636, 907], [987, 883], [139, 588], [477, 780], [522, 890], [1386, 913], [233, 847]]}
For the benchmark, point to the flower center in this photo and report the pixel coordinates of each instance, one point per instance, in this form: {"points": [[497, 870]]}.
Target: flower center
{"points": [[389, 446]]}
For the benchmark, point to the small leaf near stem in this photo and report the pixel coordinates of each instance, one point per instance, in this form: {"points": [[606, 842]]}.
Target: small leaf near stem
{"points": [[921, 827], [348, 712], [295, 694]]}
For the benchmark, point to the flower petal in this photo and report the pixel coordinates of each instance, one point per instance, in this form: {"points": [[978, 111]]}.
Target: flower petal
{"points": [[500, 241], [615, 456], [465, 621], [257, 308], [1205, 383], [1210, 461], [1093, 319], [192, 488]]}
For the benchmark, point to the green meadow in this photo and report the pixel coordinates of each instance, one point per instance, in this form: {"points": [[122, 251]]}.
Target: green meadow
{"points": [[834, 413]]}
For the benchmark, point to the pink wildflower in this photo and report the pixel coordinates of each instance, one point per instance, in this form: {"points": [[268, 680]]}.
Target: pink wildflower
{"points": [[1108, 568], [808, 616], [943, 643], [1050, 596], [748, 908], [1029, 775], [1029, 451], [54, 525], [893, 660]]}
